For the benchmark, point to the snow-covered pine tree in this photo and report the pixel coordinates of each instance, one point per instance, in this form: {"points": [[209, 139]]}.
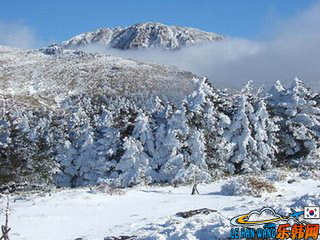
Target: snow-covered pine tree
{"points": [[265, 132], [43, 166], [5, 141], [173, 146], [26, 145], [17, 153], [143, 131], [253, 133], [206, 111], [300, 119], [90, 143], [133, 166], [107, 145], [76, 150], [170, 138], [239, 135], [195, 169], [174, 158]]}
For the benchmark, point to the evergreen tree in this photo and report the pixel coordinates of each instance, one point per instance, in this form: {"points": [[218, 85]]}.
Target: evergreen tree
{"points": [[170, 142], [133, 165], [206, 111], [299, 120], [195, 169], [143, 131], [265, 134], [239, 135], [76, 149]]}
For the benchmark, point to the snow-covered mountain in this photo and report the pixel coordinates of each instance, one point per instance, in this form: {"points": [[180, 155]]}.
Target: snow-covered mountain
{"points": [[49, 75], [143, 35]]}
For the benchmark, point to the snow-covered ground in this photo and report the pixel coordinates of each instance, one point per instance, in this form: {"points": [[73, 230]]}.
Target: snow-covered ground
{"points": [[147, 212]]}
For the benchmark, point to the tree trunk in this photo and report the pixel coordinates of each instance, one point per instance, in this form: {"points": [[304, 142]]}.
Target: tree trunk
{"points": [[194, 189]]}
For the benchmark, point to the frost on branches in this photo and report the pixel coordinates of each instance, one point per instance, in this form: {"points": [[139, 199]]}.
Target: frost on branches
{"points": [[94, 139], [298, 109]]}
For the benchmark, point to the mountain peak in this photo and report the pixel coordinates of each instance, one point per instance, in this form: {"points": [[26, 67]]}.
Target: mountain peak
{"points": [[141, 24], [143, 35]]}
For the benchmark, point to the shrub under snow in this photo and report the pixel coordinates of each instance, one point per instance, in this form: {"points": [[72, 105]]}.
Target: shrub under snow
{"points": [[247, 185]]}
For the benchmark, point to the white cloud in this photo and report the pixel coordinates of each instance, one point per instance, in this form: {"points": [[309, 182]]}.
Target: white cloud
{"points": [[293, 51], [17, 34]]}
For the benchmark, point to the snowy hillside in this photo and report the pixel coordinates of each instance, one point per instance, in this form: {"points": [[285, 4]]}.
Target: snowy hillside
{"points": [[50, 75], [143, 35]]}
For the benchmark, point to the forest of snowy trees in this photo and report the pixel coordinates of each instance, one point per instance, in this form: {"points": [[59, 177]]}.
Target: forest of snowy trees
{"points": [[90, 140]]}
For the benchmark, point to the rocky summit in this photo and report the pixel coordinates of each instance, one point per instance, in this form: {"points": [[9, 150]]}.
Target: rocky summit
{"points": [[143, 36]]}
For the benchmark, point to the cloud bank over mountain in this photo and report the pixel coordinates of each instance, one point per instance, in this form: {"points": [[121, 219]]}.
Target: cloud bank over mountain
{"points": [[292, 51]]}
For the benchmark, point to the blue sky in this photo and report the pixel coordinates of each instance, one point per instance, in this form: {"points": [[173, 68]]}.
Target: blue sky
{"points": [[59, 20]]}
